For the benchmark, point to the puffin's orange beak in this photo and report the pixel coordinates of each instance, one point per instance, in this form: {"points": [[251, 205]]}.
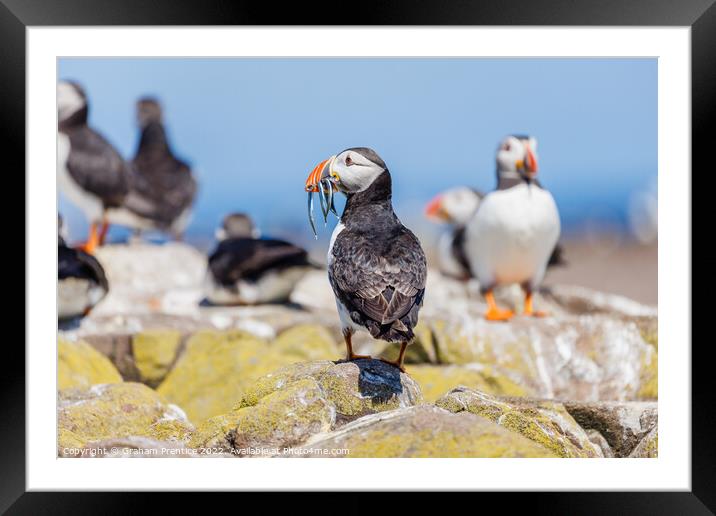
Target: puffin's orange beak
{"points": [[531, 162], [434, 209], [319, 172]]}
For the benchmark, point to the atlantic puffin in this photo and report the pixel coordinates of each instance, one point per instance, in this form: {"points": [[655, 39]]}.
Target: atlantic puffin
{"points": [[81, 280], [376, 266], [455, 207], [515, 229], [247, 270], [162, 187], [90, 171]]}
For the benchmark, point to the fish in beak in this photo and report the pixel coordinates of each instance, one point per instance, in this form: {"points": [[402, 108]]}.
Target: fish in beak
{"points": [[322, 180]]}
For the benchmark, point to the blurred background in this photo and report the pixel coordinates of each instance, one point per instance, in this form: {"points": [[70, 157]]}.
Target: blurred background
{"points": [[253, 128]]}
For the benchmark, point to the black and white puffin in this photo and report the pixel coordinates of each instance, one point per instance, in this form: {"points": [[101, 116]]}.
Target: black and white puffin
{"points": [[162, 188], [455, 207], [81, 281], [376, 266], [515, 229], [90, 171], [248, 270]]}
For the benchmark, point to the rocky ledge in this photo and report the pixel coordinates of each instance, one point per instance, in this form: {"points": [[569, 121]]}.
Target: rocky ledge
{"points": [[154, 372]]}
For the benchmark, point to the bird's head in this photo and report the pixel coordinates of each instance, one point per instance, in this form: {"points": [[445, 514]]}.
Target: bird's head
{"points": [[148, 110], [517, 154], [351, 171], [454, 206], [71, 99], [237, 225]]}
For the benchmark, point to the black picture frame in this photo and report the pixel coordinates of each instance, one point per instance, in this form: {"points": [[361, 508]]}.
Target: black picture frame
{"points": [[700, 15]]}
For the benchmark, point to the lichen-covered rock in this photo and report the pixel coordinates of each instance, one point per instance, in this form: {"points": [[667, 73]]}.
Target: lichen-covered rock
{"points": [[437, 380], [421, 431], [287, 406], [217, 367], [545, 422], [306, 342], [80, 365], [213, 372], [353, 389], [648, 447], [600, 442], [282, 418], [117, 410], [585, 358], [623, 424], [154, 353]]}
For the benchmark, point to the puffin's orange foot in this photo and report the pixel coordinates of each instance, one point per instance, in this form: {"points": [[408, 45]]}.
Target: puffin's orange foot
{"points": [[498, 314], [394, 363], [353, 356]]}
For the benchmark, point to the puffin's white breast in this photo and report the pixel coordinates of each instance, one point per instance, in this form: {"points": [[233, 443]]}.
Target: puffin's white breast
{"points": [[511, 236], [90, 204], [446, 258]]}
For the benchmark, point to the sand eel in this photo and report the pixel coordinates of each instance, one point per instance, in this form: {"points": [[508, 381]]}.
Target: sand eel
{"points": [[456, 207], [376, 266], [81, 281], [247, 270], [89, 170], [515, 229], [162, 188]]}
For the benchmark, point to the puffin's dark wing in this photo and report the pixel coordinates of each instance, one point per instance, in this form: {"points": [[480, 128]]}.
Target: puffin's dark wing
{"points": [[97, 167], [556, 259], [384, 279], [458, 248], [248, 258], [73, 263], [161, 189]]}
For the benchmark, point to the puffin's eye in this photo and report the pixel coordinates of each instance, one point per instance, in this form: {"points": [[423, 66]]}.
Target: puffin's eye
{"points": [[506, 146], [349, 161]]}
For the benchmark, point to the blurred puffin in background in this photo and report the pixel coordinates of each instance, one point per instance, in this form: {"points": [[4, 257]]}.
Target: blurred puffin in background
{"points": [[81, 281], [513, 233], [376, 266], [455, 207], [247, 270], [162, 187], [90, 171]]}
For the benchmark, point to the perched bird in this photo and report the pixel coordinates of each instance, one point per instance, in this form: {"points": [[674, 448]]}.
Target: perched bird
{"points": [[90, 171], [247, 270], [376, 266], [81, 281], [456, 207], [162, 188], [515, 229]]}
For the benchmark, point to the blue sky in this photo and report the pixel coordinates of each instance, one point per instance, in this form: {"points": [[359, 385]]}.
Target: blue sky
{"points": [[253, 128]]}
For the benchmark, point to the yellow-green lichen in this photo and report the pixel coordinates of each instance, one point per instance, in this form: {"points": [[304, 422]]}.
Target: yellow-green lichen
{"points": [[79, 365], [118, 410], [435, 380], [425, 431], [546, 423], [154, 352], [306, 342], [281, 418], [214, 370], [649, 376]]}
